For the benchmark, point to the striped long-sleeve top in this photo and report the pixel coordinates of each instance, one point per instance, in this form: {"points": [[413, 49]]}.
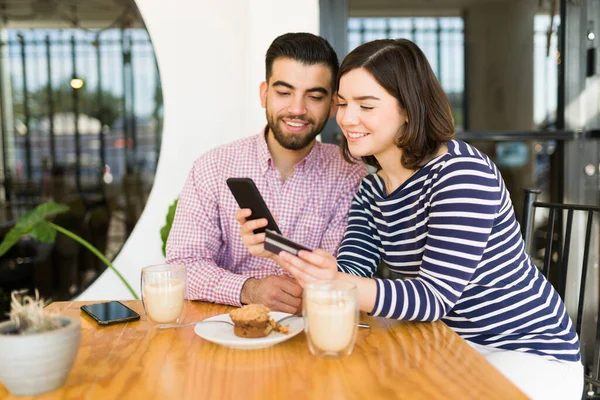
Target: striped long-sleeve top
{"points": [[450, 232]]}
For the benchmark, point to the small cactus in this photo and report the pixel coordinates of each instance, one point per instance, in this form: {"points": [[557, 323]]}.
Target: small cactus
{"points": [[28, 314]]}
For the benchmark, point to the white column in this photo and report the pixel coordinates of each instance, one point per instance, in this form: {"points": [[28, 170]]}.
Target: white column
{"points": [[211, 60], [499, 78], [499, 38]]}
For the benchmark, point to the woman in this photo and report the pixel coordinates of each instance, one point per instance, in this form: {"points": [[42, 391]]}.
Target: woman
{"points": [[438, 214]]}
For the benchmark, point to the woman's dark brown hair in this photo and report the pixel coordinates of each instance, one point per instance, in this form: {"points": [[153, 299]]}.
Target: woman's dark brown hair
{"points": [[402, 69]]}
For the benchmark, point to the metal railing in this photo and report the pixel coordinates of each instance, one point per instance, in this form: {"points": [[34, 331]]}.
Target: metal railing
{"points": [[440, 38], [49, 123]]}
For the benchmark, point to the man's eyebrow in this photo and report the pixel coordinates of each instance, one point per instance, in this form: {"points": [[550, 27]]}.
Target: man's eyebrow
{"points": [[318, 89], [282, 83], [360, 97]]}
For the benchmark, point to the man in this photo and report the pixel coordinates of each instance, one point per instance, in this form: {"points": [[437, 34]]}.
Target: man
{"points": [[306, 184]]}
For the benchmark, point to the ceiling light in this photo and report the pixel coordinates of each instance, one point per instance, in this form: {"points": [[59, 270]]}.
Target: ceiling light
{"points": [[76, 83]]}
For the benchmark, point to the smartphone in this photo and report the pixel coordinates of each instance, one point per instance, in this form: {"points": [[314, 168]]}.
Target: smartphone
{"points": [[275, 243], [247, 196], [112, 312]]}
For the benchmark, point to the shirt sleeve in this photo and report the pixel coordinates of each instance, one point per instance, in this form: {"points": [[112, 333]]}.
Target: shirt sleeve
{"points": [[359, 253], [465, 201], [339, 218], [196, 239]]}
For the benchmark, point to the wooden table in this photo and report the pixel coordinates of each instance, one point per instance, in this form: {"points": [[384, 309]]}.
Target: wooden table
{"points": [[392, 359]]}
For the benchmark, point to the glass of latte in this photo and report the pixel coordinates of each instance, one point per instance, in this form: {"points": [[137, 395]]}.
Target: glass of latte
{"points": [[331, 312], [163, 293]]}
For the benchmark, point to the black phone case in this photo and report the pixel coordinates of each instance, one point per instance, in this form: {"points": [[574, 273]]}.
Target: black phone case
{"points": [[275, 243], [111, 321], [247, 196]]}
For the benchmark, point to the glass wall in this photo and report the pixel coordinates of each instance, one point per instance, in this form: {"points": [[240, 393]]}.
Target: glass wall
{"points": [[440, 38], [442, 41], [545, 65], [81, 117]]}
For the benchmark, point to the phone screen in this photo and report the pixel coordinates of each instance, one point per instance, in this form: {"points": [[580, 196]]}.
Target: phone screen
{"points": [[110, 313], [247, 195]]}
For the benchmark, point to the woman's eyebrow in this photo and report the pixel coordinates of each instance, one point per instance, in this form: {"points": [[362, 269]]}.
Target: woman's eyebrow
{"points": [[360, 97]]}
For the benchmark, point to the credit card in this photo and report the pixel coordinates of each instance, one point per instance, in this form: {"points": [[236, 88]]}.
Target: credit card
{"points": [[275, 243]]}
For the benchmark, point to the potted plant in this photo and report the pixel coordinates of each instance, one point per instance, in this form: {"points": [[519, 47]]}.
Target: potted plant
{"points": [[166, 229], [37, 348]]}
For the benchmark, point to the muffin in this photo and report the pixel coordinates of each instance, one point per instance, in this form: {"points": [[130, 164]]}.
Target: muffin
{"points": [[253, 321]]}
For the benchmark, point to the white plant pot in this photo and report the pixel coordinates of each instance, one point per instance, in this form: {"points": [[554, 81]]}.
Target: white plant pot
{"points": [[38, 363]]}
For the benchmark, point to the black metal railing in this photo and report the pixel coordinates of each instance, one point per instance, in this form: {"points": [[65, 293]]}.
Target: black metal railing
{"points": [[438, 37], [81, 123]]}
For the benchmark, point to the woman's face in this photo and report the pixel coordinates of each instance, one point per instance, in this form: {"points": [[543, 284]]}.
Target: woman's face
{"points": [[369, 116]]}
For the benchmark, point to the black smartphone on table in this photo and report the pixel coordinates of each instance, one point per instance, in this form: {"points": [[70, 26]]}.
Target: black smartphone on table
{"points": [[112, 312], [247, 196], [275, 243]]}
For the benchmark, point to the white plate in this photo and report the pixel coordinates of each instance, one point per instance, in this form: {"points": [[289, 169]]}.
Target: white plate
{"points": [[223, 334]]}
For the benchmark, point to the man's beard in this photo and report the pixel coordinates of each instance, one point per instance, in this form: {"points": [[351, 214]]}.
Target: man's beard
{"points": [[293, 141]]}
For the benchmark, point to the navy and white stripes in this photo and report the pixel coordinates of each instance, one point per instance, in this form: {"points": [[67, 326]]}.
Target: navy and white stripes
{"points": [[450, 233]]}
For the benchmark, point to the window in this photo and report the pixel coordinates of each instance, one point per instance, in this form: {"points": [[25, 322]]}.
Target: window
{"points": [[545, 67], [440, 38], [81, 122]]}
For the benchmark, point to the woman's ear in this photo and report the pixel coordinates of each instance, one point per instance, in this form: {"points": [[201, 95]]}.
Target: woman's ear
{"points": [[404, 113]]}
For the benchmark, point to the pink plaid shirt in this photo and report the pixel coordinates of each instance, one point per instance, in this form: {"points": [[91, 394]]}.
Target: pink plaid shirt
{"points": [[311, 208]]}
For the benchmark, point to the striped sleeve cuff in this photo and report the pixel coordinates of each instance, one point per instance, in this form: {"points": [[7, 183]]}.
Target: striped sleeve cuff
{"points": [[376, 311]]}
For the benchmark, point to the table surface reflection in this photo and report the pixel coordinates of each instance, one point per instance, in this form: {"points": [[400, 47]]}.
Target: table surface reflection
{"points": [[392, 359]]}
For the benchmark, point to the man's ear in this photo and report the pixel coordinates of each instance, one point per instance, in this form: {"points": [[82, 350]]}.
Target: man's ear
{"points": [[334, 103], [263, 94]]}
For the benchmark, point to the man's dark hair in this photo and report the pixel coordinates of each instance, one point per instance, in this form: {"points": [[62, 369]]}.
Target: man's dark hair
{"points": [[402, 69], [303, 47]]}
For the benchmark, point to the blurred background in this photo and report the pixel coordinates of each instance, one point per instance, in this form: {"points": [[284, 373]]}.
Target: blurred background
{"points": [[81, 121]]}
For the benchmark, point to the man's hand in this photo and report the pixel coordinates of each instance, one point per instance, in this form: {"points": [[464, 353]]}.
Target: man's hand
{"points": [[253, 242], [279, 293]]}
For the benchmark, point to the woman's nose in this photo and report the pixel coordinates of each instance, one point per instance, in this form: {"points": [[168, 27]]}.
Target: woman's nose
{"points": [[347, 117]]}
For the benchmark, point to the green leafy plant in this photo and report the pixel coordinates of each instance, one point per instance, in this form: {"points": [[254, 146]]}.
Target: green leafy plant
{"points": [[165, 230], [34, 224]]}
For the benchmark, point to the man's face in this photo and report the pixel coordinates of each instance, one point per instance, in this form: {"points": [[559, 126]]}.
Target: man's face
{"points": [[298, 101]]}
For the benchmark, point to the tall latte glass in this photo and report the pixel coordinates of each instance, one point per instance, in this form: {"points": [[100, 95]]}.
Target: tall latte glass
{"points": [[163, 293], [330, 310]]}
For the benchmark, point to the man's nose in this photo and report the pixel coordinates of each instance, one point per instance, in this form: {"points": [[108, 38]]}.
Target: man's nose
{"points": [[297, 106]]}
